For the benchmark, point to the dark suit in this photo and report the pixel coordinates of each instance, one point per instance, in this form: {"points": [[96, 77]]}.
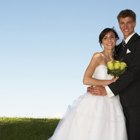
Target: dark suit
{"points": [[128, 85]]}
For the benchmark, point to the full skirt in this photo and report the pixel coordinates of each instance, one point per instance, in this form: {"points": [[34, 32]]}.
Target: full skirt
{"points": [[92, 118]]}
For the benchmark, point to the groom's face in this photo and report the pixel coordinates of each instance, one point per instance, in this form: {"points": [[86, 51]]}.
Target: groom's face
{"points": [[127, 26]]}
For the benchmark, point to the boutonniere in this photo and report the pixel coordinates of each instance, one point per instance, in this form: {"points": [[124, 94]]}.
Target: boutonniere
{"points": [[128, 51]]}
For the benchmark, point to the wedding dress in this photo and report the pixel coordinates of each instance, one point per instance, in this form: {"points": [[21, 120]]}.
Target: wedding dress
{"points": [[93, 117]]}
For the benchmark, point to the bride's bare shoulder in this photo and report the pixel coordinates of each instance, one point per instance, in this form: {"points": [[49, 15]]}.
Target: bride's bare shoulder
{"points": [[97, 55], [97, 58]]}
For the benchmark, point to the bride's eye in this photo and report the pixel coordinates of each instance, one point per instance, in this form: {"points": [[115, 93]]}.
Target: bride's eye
{"points": [[105, 38], [113, 37]]}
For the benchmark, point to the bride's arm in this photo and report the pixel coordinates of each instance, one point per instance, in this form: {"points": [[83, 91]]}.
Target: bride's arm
{"points": [[88, 79], [95, 82]]}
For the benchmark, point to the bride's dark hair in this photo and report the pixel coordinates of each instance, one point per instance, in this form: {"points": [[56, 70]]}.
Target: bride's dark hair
{"points": [[104, 32]]}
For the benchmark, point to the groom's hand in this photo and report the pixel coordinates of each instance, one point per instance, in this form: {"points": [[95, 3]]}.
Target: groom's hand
{"points": [[98, 90]]}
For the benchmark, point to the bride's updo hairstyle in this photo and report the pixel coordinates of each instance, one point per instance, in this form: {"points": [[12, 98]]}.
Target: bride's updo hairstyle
{"points": [[105, 31]]}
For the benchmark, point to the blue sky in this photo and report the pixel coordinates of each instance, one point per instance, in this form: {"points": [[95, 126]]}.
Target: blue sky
{"points": [[45, 47]]}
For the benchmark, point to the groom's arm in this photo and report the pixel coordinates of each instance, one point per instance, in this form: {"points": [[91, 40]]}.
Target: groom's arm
{"points": [[125, 80], [132, 72]]}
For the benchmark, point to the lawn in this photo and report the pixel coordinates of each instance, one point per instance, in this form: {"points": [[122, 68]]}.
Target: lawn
{"points": [[27, 128]]}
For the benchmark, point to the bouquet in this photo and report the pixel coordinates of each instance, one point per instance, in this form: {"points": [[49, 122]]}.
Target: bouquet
{"points": [[116, 68]]}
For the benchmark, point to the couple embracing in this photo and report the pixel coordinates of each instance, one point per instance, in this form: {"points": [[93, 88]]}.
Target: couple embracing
{"points": [[110, 110]]}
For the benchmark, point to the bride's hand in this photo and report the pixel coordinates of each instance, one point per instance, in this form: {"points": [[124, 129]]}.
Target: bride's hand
{"points": [[112, 80], [115, 79]]}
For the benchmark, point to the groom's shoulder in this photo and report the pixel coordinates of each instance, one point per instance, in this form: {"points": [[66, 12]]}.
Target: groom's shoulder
{"points": [[136, 38]]}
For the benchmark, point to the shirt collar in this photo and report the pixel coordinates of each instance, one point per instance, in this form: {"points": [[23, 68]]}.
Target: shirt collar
{"points": [[128, 38]]}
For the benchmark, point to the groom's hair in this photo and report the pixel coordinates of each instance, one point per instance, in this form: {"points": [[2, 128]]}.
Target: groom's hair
{"points": [[127, 13]]}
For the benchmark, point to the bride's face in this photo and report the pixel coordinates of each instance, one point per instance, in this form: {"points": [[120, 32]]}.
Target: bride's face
{"points": [[109, 41]]}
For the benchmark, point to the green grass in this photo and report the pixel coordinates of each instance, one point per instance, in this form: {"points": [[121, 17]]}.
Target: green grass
{"points": [[27, 128]]}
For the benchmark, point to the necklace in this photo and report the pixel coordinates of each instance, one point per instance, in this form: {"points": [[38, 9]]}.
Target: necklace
{"points": [[107, 58]]}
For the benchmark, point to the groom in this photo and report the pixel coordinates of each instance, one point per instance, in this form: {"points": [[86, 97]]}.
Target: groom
{"points": [[128, 84]]}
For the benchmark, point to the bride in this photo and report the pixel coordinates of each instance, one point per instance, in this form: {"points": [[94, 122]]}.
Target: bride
{"points": [[95, 117]]}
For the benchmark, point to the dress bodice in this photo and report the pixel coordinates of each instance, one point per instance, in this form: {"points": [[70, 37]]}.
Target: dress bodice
{"points": [[101, 73]]}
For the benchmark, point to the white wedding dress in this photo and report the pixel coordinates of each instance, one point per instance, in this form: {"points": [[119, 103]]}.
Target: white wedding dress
{"points": [[93, 117]]}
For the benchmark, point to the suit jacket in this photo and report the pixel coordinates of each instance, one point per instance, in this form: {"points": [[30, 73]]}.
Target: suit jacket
{"points": [[128, 84]]}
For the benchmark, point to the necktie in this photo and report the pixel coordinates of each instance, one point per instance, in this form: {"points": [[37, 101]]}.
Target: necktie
{"points": [[123, 44]]}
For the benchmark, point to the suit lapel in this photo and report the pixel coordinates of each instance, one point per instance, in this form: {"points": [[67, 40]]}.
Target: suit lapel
{"points": [[121, 51]]}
